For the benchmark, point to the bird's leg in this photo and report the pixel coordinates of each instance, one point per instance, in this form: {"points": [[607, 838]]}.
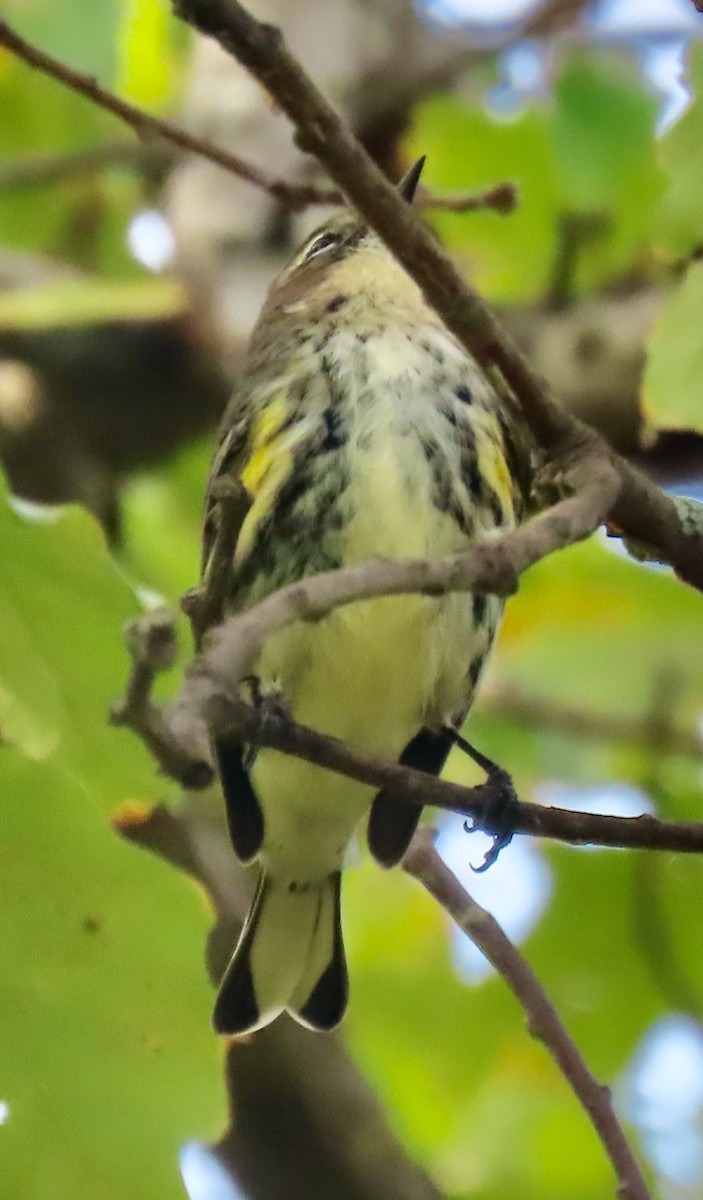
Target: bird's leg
{"points": [[270, 705], [501, 804]]}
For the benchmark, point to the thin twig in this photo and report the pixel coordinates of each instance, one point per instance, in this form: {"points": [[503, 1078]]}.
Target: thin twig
{"points": [[147, 126], [227, 716], [178, 738], [501, 199], [183, 753], [209, 699], [640, 509], [490, 566], [423, 862]]}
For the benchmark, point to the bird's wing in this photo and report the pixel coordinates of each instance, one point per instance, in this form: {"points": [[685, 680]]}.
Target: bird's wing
{"points": [[228, 460], [392, 822], [244, 816]]}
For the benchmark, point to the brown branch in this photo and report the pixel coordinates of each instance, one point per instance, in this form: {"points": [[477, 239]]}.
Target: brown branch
{"points": [[490, 566], [502, 198], [178, 738], [147, 126], [553, 17], [423, 862], [228, 716], [152, 646], [640, 509], [305, 1123], [209, 700]]}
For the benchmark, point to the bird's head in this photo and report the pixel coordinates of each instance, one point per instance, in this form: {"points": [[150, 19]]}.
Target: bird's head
{"points": [[343, 257]]}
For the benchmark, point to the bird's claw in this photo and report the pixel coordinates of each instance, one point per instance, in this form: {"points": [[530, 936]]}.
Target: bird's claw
{"points": [[500, 841], [269, 706], [501, 807]]}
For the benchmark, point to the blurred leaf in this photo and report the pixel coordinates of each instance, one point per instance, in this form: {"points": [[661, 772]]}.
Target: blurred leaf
{"points": [[84, 37], [672, 396], [591, 151], [90, 302], [602, 130], [585, 956], [63, 605], [508, 257], [148, 41], [162, 517], [38, 114], [404, 983], [583, 610], [670, 888], [107, 1063], [85, 219], [679, 221]]}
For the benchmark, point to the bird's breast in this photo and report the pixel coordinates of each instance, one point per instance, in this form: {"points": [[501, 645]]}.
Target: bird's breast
{"points": [[373, 672]]}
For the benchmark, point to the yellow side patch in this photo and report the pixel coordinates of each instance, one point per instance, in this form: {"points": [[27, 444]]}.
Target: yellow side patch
{"points": [[494, 468], [266, 468], [266, 427]]}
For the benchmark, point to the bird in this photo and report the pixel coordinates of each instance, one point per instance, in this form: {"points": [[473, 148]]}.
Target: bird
{"points": [[361, 429]]}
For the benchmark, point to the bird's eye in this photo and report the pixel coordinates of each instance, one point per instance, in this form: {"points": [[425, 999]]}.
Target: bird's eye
{"points": [[322, 242]]}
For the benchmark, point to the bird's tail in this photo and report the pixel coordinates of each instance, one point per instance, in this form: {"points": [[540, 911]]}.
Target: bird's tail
{"points": [[290, 955]]}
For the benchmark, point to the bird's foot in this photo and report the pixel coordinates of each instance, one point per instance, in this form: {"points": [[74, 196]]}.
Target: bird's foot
{"points": [[501, 805], [270, 706]]}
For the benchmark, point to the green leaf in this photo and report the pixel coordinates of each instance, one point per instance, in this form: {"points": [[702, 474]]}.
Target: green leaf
{"points": [[63, 605], [672, 396], [679, 221], [84, 218], [162, 517], [508, 257], [602, 131], [148, 41], [591, 152], [601, 128], [107, 1063], [84, 37], [37, 113], [70, 302], [585, 608]]}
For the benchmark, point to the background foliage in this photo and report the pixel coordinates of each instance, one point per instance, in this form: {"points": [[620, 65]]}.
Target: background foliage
{"points": [[107, 1062]]}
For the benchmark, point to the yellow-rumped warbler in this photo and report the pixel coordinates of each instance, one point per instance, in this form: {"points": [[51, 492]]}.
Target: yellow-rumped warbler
{"points": [[361, 428]]}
